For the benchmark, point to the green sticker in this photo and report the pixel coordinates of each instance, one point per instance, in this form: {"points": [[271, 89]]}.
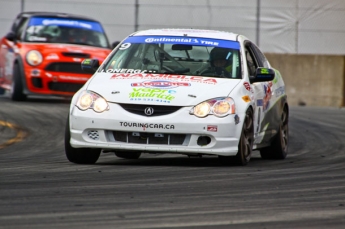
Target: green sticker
{"points": [[264, 71], [277, 75], [87, 61]]}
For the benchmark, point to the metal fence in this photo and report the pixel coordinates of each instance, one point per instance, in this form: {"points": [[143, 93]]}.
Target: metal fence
{"points": [[277, 26]]}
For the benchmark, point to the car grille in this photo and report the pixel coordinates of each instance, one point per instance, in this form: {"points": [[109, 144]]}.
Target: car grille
{"points": [[158, 109], [65, 67], [150, 138], [66, 87]]}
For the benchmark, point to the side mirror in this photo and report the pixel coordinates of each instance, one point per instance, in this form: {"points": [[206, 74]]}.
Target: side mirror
{"points": [[263, 75], [114, 44], [11, 36], [90, 65]]}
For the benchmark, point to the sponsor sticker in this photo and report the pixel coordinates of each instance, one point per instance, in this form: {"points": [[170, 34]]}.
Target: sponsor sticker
{"points": [[259, 102], [125, 70], [75, 78], [68, 22], [35, 72], [52, 56], [279, 91], [152, 94], [148, 125], [264, 71], [212, 128], [248, 87], [183, 40], [150, 76], [160, 84]]}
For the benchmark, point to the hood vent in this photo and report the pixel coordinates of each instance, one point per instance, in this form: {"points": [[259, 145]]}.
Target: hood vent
{"points": [[76, 54]]}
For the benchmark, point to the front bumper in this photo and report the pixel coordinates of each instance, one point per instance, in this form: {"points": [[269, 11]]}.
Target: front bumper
{"points": [[178, 132], [40, 81]]}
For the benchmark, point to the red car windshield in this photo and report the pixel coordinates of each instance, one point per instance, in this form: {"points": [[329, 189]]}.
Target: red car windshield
{"points": [[65, 30]]}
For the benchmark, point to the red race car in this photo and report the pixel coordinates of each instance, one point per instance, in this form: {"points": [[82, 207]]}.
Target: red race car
{"points": [[42, 53]]}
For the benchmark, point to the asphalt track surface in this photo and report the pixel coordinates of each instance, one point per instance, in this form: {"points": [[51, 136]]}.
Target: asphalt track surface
{"points": [[39, 188]]}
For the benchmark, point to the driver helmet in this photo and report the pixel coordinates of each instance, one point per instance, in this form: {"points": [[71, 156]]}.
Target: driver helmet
{"points": [[223, 59]]}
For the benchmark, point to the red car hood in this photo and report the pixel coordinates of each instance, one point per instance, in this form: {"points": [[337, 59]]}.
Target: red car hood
{"points": [[71, 50]]}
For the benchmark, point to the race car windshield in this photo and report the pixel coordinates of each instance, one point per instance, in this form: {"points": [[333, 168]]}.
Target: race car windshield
{"points": [[65, 30], [176, 55]]}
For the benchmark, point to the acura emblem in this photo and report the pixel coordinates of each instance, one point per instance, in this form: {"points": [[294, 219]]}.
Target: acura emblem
{"points": [[149, 110]]}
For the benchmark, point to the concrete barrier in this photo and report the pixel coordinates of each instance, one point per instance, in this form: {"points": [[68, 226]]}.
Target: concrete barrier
{"points": [[312, 80]]}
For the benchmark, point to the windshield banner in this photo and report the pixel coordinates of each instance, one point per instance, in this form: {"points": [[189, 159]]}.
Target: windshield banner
{"points": [[183, 41], [75, 23]]}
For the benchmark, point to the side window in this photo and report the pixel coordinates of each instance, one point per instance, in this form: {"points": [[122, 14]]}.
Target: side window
{"points": [[20, 27], [251, 61], [261, 57], [15, 24]]}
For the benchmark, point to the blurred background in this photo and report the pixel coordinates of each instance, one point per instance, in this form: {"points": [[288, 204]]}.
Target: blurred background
{"points": [[303, 39]]}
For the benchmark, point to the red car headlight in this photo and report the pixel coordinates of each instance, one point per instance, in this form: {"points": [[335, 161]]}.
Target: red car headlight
{"points": [[34, 58]]}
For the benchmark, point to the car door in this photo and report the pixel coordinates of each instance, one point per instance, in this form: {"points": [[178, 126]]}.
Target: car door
{"points": [[262, 93]]}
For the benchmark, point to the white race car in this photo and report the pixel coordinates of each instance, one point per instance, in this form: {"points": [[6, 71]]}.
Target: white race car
{"points": [[180, 91]]}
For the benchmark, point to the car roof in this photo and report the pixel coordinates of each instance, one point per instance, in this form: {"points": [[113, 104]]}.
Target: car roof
{"points": [[54, 14], [214, 34]]}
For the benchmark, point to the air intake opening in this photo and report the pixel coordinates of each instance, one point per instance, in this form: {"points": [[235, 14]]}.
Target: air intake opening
{"points": [[37, 82], [203, 140], [93, 134]]}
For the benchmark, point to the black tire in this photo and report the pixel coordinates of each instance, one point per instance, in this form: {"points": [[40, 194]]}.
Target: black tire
{"points": [[245, 146], [2, 91], [17, 85], [279, 145], [128, 154], [79, 155]]}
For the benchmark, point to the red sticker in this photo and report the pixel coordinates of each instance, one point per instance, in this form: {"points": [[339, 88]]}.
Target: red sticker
{"points": [[247, 86], [212, 128]]}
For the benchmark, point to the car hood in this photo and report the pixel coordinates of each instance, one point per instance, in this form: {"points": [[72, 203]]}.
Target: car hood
{"points": [[53, 51], [176, 90]]}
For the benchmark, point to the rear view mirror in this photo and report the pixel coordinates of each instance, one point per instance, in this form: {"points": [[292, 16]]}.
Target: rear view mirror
{"points": [[262, 75], [90, 65], [181, 47]]}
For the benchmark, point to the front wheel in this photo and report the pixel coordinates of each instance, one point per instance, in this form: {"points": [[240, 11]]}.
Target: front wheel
{"points": [[79, 155], [17, 85], [245, 145], [279, 146], [2, 91], [128, 154]]}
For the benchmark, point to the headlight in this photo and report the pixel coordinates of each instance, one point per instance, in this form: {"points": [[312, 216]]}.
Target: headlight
{"points": [[91, 100], [100, 105], [34, 57], [219, 106], [85, 102], [202, 109]]}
